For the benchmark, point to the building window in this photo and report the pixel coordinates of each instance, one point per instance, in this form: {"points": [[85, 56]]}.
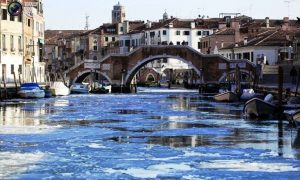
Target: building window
{"points": [[37, 26], [4, 14], [4, 42], [12, 18], [127, 43], [178, 33], [133, 42], [164, 32], [106, 39], [186, 33], [4, 72], [95, 45], [12, 69], [20, 70], [199, 45], [20, 43], [199, 33], [20, 18], [178, 42], [113, 39], [152, 34], [205, 33], [12, 44], [28, 22]]}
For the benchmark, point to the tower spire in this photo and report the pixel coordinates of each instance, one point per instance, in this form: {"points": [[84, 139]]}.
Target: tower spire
{"points": [[86, 22]]}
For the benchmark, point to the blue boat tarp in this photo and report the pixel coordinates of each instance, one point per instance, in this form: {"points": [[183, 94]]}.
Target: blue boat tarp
{"points": [[29, 86]]}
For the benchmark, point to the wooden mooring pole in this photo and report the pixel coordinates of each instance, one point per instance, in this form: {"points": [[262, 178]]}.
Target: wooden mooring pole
{"points": [[16, 85], [298, 81], [280, 87]]}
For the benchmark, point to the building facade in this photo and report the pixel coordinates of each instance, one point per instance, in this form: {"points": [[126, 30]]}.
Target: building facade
{"points": [[22, 40]]}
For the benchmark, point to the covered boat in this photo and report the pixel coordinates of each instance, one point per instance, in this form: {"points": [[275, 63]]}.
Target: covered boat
{"points": [[226, 97], [79, 88], [259, 108], [247, 94], [31, 90], [59, 89]]}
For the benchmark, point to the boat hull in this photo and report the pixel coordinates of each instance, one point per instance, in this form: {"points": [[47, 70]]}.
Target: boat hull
{"points": [[296, 118], [259, 108], [226, 97], [32, 94], [59, 89], [31, 90]]}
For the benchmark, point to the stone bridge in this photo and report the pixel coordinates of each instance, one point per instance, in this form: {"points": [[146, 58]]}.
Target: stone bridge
{"points": [[120, 70]]}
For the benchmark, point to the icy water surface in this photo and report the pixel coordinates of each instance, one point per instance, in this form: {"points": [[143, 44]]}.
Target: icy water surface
{"points": [[151, 135]]}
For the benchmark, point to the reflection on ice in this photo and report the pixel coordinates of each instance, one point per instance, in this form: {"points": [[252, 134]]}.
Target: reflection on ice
{"points": [[240, 165]]}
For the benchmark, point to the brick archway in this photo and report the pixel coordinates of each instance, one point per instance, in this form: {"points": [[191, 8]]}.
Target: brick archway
{"points": [[82, 75], [140, 64]]}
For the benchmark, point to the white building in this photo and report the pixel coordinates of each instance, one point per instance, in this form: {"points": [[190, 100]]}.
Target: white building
{"points": [[15, 44], [38, 42], [11, 46], [269, 47]]}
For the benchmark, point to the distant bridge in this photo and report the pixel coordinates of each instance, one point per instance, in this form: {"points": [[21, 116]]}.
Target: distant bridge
{"points": [[120, 70]]}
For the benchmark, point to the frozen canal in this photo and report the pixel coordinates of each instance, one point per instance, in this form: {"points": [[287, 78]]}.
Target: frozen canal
{"points": [[162, 135]]}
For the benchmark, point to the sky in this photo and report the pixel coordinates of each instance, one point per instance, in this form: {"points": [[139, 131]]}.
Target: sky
{"points": [[70, 14]]}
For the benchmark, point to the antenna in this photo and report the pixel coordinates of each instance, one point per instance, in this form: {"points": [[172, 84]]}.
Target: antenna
{"points": [[288, 6], [86, 22]]}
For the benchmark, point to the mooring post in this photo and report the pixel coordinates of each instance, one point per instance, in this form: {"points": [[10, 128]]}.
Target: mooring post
{"points": [[0, 90], [280, 87], [16, 85], [298, 81]]}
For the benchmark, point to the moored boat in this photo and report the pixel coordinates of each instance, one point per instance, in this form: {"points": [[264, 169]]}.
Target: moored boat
{"points": [[294, 117], [227, 97], [259, 108], [79, 88], [59, 89], [31, 90]]}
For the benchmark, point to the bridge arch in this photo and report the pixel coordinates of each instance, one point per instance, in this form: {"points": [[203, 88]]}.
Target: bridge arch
{"points": [[82, 75], [131, 73]]}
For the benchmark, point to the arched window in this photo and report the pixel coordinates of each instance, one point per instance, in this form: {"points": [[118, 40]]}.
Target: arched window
{"points": [[95, 45], [95, 58]]}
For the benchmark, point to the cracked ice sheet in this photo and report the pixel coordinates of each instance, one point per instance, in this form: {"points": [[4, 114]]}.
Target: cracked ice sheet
{"points": [[12, 164], [152, 171], [42, 129]]}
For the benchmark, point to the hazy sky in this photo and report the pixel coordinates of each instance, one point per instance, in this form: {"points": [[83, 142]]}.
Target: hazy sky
{"points": [[70, 14]]}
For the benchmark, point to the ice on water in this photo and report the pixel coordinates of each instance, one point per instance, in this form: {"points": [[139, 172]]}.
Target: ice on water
{"points": [[163, 134]]}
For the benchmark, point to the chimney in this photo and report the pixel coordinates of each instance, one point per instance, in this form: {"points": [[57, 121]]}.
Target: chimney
{"points": [[245, 41], [236, 26], [285, 24], [267, 22], [193, 25], [222, 44], [149, 24]]}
